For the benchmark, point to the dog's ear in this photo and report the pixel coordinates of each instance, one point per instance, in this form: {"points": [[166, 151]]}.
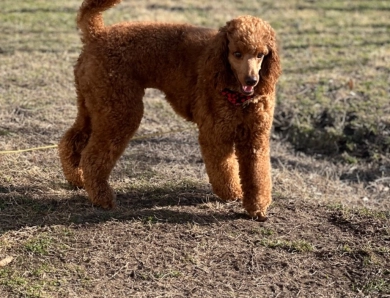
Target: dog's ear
{"points": [[271, 68], [216, 65]]}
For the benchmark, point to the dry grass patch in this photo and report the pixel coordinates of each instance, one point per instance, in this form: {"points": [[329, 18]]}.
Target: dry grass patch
{"points": [[170, 236]]}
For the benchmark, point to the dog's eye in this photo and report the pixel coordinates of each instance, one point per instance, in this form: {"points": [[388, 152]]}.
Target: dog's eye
{"points": [[260, 55], [237, 54]]}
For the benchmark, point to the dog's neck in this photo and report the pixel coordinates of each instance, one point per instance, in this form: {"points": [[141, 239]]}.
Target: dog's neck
{"points": [[235, 97]]}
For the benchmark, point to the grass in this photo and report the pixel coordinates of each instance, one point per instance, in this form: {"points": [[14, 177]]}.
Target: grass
{"points": [[38, 246], [340, 101], [379, 286], [170, 236], [298, 246]]}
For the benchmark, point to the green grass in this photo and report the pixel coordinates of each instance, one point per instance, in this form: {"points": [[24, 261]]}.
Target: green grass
{"points": [[168, 274], [334, 96], [373, 286], [359, 212], [39, 246], [21, 286]]}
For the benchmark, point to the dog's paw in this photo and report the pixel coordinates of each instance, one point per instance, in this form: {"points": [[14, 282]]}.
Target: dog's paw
{"points": [[103, 196], [74, 176], [260, 216], [108, 204]]}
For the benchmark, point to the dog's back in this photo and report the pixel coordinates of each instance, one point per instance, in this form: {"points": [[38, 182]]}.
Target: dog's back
{"points": [[152, 54]]}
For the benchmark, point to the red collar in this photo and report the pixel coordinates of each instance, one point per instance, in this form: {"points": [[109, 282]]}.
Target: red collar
{"points": [[236, 98]]}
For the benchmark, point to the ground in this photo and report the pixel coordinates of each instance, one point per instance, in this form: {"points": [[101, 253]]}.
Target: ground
{"points": [[328, 234]]}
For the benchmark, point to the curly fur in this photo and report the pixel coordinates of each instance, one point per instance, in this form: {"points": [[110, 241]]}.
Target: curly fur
{"points": [[192, 66]]}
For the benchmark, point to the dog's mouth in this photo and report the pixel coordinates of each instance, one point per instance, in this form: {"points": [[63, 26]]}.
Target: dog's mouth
{"points": [[247, 90]]}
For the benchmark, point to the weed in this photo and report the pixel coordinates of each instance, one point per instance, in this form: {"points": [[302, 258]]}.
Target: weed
{"points": [[169, 274], [346, 248], [192, 259], [11, 279], [39, 245], [262, 231], [336, 206], [370, 213], [149, 220], [380, 285]]}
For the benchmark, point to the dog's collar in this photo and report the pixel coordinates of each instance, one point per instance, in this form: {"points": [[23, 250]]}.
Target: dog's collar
{"points": [[236, 98]]}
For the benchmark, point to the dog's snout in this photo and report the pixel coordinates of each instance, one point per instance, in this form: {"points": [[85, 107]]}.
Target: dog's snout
{"points": [[251, 81]]}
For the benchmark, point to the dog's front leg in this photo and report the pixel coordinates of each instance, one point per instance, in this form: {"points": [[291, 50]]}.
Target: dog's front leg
{"points": [[253, 154], [221, 163]]}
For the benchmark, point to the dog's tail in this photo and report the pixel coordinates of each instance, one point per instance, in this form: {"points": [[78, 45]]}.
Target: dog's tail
{"points": [[90, 18]]}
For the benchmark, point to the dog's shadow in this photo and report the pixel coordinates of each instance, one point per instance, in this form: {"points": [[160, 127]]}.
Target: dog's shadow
{"points": [[176, 205]]}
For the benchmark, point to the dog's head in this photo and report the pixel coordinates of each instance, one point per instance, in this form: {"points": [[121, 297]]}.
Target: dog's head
{"points": [[248, 56]]}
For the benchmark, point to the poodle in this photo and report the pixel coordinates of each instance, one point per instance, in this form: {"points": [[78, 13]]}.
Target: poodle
{"points": [[222, 80]]}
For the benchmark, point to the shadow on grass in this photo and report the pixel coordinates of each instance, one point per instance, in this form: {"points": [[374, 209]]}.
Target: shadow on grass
{"points": [[175, 205]]}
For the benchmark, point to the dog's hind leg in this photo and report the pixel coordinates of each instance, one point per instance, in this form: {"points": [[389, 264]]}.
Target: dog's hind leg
{"points": [[113, 124], [73, 143]]}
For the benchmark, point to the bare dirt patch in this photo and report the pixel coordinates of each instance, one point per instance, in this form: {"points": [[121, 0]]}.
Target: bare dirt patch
{"points": [[186, 243]]}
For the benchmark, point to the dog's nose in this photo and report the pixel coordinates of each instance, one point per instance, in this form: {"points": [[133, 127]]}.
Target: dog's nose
{"points": [[250, 81]]}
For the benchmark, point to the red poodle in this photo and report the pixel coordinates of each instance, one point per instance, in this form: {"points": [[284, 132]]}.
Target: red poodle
{"points": [[223, 80]]}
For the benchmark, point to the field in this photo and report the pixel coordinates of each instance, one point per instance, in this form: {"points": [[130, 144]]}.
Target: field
{"points": [[328, 234]]}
